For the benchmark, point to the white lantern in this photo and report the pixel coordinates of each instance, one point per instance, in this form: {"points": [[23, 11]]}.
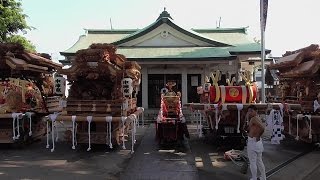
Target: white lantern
{"points": [[59, 85], [206, 87], [127, 88]]}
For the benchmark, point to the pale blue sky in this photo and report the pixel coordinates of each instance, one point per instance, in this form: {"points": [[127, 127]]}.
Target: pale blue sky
{"points": [[292, 24]]}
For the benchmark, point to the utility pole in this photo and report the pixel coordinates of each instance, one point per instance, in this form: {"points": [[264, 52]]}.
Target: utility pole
{"points": [[111, 24]]}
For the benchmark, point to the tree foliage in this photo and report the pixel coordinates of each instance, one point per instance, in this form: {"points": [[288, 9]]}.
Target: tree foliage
{"points": [[23, 41], [13, 21]]}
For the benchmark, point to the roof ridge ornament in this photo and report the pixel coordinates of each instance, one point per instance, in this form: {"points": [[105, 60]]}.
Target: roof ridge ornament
{"points": [[164, 14]]}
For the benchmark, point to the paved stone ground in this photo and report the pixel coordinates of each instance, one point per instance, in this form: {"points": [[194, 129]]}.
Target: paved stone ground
{"points": [[212, 165], [36, 162], [304, 168], [197, 160], [152, 162]]}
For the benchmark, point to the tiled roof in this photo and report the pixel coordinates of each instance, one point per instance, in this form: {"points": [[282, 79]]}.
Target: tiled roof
{"points": [[174, 52]]}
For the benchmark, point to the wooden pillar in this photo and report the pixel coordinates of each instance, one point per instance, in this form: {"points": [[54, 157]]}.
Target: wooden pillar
{"points": [[144, 80]]}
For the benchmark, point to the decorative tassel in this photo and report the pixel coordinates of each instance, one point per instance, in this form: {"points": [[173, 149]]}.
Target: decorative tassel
{"points": [[196, 115], [298, 116], [239, 107], [133, 117], [89, 119], [47, 135], [200, 130], [15, 117], [13, 126], [216, 115], [310, 127], [18, 125], [289, 124], [142, 117], [57, 132], [109, 120], [123, 119], [73, 131], [53, 118], [52, 135], [29, 115], [281, 109]]}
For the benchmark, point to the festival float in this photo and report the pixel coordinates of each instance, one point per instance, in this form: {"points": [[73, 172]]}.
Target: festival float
{"points": [[224, 109], [101, 104], [28, 94], [299, 83], [171, 124]]}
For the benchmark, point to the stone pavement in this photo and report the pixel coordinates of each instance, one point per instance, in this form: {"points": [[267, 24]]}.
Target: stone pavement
{"points": [[305, 168], [38, 163], [150, 162]]}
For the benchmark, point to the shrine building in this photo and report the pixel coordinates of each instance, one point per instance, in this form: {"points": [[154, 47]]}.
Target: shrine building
{"points": [[165, 51]]}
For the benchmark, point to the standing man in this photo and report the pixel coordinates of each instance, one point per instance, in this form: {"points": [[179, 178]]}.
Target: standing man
{"points": [[255, 146]]}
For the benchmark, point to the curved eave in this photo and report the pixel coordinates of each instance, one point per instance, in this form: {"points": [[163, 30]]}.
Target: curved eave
{"points": [[222, 30], [170, 23], [248, 52], [183, 59], [70, 51]]}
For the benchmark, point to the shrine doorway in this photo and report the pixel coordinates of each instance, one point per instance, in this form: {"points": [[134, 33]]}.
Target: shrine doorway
{"points": [[158, 81]]}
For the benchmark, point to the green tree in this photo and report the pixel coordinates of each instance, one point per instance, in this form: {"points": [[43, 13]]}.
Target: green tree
{"points": [[13, 21], [23, 41]]}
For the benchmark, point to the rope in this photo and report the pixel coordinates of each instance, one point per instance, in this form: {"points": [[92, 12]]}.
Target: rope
{"points": [[200, 130], [29, 115], [239, 107], [298, 116], [55, 127], [234, 155], [109, 120], [310, 128], [123, 119], [47, 135], [53, 118], [15, 117], [133, 117], [216, 115], [73, 131], [289, 124], [89, 119]]}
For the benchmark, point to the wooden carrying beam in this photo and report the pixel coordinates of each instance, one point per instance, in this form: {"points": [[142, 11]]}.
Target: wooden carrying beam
{"points": [[95, 118], [264, 106]]}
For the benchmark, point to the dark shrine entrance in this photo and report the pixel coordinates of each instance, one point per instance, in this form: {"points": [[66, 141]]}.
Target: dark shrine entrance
{"points": [[158, 81]]}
